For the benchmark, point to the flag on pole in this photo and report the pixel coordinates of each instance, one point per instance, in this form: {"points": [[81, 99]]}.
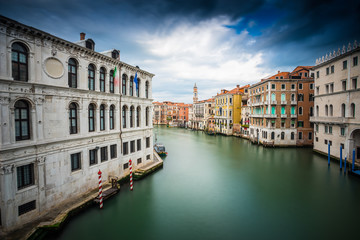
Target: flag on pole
{"points": [[116, 77], [136, 81]]}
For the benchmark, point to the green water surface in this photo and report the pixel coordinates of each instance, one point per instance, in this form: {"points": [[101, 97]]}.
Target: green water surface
{"points": [[226, 188]]}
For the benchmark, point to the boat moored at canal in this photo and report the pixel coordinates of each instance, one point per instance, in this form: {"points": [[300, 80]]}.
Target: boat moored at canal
{"points": [[160, 149]]}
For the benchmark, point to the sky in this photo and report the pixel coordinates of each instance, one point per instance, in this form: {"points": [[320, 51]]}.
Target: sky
{"points": [[216, 44]]}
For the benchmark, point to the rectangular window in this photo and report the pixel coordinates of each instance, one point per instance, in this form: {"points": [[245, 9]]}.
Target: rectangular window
{"points": [[331, 87], [310, 135], [326, 129], [113, 151], [138, 145], [104, 154], [125, 148], [330, 129], [343, 84], [292, 86], [330, 142], [139, 160], [316, 139], [327, 71], [300, 86], [354, 83], [311, 86], [27, 207], [132, 146], [75, 161], [342, 145], [317, 90], [342, 131], [355, 61], [325, 141], [317, 74], [272, 86], [300, 124], [25, 176], [126, 166], [292, 123], [332, 69], [283, 86], [345, 64], [148, 157], [93, 156], [300, 135], [282, 123], [147, 142], [327, 88], [317, 128]]}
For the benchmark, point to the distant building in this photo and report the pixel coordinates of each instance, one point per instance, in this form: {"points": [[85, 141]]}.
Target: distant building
{"points": [[337, 102], [64, 115], [280, 108], [175, 114], [228, 110]]}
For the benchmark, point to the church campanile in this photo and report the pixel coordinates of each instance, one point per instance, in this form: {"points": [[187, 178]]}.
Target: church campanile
{"points": [[195, 98]]}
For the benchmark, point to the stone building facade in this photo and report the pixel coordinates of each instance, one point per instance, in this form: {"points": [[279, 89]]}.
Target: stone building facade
{"points": [[67, 112], [280, 107], [337, 102]]}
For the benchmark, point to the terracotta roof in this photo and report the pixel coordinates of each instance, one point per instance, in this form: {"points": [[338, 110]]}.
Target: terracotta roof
{"points": [[285, 75]]}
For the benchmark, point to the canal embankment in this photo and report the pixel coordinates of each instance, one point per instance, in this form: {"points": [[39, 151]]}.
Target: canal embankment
{"points": [[55, 219]]}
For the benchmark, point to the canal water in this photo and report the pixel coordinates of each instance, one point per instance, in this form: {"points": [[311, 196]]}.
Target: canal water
{"points": [[226, 188]]}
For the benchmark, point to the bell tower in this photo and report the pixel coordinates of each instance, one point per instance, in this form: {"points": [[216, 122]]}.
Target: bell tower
{"points": [[195, 97]]}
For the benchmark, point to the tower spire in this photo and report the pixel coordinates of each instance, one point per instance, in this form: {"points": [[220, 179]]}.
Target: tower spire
{"points": [[195, 96]]}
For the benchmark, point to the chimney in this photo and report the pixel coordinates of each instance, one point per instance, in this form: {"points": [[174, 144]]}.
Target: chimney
{"points": [[237, 86], [278, 72], [82, 36]]}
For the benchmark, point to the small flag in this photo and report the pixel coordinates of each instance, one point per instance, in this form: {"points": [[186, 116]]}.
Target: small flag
{"points": [[136, 81], [116, 77]]}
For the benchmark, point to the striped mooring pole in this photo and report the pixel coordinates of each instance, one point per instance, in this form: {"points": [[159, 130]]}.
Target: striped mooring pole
{"points": [[329, 154], [131, 180], [100, 190]]}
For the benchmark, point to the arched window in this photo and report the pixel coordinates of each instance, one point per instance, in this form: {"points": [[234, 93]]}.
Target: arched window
{"points": [[343, 106], [272, 135], [352, 109], [282, 135], [273, 97], [311, 111], [91, 117], [91, 77], [102, 117], [147, 89], [124, 109], [112, 115], [283, 97], [22, 120], [131, 86], [124, 79], [73, 118], [326, 110], [138, 116], [19, 57], [300, 110], [102, 79], [292, 97], [147, 116], [292, 136], [331, 110], [317, 111], [132, 116], [111, 81], [72, 73], [301, 97], [138, 87]]}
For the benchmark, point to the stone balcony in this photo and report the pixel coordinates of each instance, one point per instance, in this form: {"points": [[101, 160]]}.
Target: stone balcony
{"points": [[293, 115], [283, 102], [293, 102], [270, 115], [273, 102], [283, 115]]}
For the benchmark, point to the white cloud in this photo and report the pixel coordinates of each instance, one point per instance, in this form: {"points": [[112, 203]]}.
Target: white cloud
{"points": [[208, 53]]}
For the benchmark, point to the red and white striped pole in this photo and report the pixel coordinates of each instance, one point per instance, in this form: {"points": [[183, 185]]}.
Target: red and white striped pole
{"points": [[131, 180], [100, 190]]}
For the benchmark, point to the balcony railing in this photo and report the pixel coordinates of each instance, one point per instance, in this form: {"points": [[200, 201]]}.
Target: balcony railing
{"points": [[293, 102], [293, 115], [283, 102], [283, 115], [273, 102]]}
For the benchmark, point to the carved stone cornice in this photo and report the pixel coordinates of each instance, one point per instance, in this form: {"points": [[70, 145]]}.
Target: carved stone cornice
{"points": [[7, 169], [40, 160]]}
